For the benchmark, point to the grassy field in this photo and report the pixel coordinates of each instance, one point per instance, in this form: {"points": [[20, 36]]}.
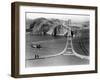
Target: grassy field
{"points": [[81, 44], [49, 46]]}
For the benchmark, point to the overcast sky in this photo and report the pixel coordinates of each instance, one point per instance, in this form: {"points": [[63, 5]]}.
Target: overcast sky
{"points": [[73, 17]]}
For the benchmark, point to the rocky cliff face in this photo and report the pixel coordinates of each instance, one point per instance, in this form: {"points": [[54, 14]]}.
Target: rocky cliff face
{"points": [[48, 26]]}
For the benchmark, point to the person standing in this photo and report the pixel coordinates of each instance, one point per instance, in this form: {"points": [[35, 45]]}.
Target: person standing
{"points": [[71, 33]]}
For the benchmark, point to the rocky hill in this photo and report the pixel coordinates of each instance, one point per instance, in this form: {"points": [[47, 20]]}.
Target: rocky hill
{"points": [[51, 26], [47, 26]]}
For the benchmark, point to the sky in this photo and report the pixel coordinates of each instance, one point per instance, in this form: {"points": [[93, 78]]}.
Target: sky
{"points": [[73, 17]]}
